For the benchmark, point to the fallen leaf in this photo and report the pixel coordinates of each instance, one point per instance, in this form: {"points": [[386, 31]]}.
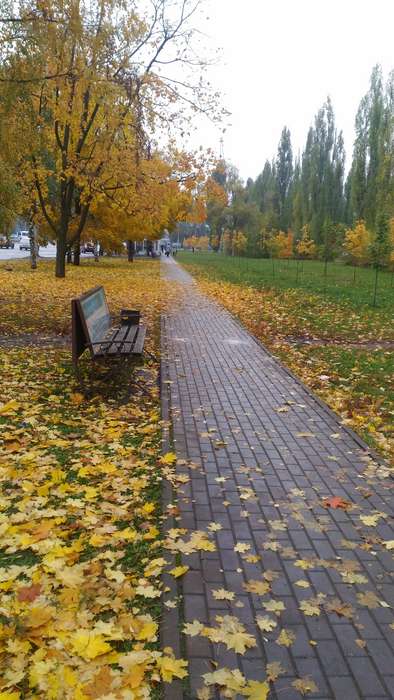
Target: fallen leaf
{"points": [[305, 685]]}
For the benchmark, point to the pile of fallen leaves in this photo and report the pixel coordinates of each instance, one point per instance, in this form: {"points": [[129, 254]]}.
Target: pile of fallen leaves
{"points": [[80, 514], [34, 301], [345, 355]]}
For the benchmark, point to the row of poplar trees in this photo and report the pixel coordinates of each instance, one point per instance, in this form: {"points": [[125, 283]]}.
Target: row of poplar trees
{"points": [[313, 189]]}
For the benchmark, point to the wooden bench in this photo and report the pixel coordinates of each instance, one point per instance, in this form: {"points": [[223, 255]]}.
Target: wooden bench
{"points": [[92, 329]]}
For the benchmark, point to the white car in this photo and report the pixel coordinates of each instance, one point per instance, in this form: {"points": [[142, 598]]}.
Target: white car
{"points": [[24, 243]]}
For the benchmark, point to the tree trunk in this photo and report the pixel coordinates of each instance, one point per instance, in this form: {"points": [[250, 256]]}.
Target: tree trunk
{"points": [[375, 289], [77, 251], [69, 255], [61, 255], [33, 246], [130, 251]]}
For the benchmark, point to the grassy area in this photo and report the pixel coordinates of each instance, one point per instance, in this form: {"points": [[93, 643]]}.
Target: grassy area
{"points": [[337, 281], [80, 497], [340, 346]]}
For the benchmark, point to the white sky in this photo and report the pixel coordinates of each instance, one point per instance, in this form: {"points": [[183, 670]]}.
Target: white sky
{"points": [[281, 58]]}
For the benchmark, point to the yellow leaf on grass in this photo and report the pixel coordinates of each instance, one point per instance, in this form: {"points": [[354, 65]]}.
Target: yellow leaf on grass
{"points": [[89, 645], [38, 616], [77, 398], [179, 571], [8, 408], [71, 576], [148, 631], [168, 458]]}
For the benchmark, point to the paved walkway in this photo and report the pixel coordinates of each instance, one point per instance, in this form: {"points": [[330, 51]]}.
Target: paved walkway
{"points": [[262, 452]]}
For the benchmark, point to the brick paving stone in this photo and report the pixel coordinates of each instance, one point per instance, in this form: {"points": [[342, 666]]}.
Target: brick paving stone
{"points": [[220, 379]]}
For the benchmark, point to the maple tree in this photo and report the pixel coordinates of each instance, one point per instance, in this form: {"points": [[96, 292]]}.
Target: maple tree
{"points": [[197, 242], [239, 242], [357, 243], [96, 109], [306, 247]]}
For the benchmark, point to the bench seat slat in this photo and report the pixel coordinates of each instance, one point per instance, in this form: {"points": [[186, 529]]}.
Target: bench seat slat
{"points": [[117, 340], [139, 343], [130, 339]]}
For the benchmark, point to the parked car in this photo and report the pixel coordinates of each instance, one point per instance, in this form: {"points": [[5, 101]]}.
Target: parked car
{"points": [[24, 243], [87, 247], [6, 242]]}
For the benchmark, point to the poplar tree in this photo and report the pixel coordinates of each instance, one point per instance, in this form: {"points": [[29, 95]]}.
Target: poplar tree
{"points": [[284, 174]]}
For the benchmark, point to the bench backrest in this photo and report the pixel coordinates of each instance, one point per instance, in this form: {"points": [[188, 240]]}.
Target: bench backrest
{"points": [[90, 321]]}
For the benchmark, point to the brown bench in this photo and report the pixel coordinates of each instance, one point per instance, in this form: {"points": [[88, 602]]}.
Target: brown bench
{"points": [[93, 329]]}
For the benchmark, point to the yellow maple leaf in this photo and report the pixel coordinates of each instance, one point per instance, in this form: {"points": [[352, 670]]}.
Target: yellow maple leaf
{"points": [[275, 606], [77, 398], [9, 695], [71, 576], [256, 690], [241, 547], [39, 616], [266, 623], [310, 607], [89, 645], [170, 667], [148, 631], [193, 628], [9, 408], [370, 520], [286, 638], [302, 583], [178, 571], [222, 594], [168, 458], [305, 685], [258, 587]]}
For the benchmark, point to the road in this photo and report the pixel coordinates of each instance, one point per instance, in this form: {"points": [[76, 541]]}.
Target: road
{"points": [[48, 252]]}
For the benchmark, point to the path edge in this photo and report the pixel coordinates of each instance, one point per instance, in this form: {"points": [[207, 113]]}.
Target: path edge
{"points": [[170, 622]]}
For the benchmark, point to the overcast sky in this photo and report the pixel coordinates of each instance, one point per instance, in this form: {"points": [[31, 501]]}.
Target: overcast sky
{"points": [[281, 58]]}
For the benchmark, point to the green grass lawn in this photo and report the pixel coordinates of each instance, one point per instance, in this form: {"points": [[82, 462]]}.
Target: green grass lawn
{"points": [[337, 282]]}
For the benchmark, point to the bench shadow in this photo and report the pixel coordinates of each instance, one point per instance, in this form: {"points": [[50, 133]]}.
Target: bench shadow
{"points": [[118, 380]]}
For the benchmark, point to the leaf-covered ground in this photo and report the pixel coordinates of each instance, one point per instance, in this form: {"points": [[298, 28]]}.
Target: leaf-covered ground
{"points": [[80, 476], [343, 352]]}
